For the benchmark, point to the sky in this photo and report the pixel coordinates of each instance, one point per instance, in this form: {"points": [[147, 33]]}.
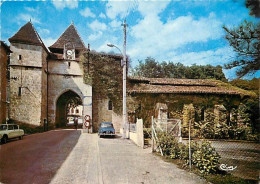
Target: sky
{"points": [[189, 32]]}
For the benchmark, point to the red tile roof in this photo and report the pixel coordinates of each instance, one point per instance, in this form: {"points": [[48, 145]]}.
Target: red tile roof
{"points": [[70, 35], [181, 86]]}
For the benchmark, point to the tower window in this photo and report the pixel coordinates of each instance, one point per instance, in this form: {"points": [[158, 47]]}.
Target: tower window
{"points": [[69, 64], [110, 105], [19, 57]]}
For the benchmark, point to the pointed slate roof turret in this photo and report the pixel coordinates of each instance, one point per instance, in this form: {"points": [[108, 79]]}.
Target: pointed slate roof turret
{"points": [[70, 35], [28, 35]]}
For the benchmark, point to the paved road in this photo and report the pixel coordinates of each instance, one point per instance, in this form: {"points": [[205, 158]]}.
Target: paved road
{"points": [[60, 157], [244, 156], [117, 161], [36, 158]]}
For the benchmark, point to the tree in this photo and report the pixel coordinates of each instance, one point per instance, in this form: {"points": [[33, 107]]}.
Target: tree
{"points": [[245, 40], [154, 69], [254, 7]]}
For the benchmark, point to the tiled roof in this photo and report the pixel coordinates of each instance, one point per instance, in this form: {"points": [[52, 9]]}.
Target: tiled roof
{"points": [[70, 35], [173, 81], [180, 86], [27, 34]]}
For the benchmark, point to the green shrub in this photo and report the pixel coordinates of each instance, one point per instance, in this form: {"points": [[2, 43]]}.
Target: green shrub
{"points": [[166, 142], [205, 158]]}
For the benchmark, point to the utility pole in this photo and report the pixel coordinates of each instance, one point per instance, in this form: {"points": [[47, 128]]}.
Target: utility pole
{"points": [[125, 119]]}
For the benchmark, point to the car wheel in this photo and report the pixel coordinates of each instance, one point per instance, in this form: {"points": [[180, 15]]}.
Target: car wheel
{"points": [[21, 137], [4, 139]]}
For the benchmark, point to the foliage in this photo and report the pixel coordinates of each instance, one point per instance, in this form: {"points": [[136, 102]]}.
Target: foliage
{"points": [[245, 40], [253, 6], [251, 85], [154, 69], [204, 156], [166, 142], [105, 76]]}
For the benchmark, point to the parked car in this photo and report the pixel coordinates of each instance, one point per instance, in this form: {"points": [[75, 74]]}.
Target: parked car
{"points": [[106, 129], [70, 121], [10, 131]]}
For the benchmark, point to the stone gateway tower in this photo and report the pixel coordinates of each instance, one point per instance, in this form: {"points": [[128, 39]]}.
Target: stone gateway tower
{"points": [[65, 76], [44, 80]]}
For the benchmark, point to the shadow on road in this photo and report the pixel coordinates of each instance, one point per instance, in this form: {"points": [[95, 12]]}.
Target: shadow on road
{"points": [[37, 157]]}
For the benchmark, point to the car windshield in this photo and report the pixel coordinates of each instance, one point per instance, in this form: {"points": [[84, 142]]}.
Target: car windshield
{"points": [[105, 125], [3, 127]]}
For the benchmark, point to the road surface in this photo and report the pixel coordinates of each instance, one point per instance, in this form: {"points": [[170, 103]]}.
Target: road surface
{"points": [[60, 157]]}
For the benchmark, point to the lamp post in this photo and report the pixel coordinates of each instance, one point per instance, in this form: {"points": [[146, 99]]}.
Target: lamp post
{"points": [[124, 80]]}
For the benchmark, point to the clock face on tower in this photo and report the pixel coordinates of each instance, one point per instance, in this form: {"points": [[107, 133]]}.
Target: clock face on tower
{"points": [[69, 52]]}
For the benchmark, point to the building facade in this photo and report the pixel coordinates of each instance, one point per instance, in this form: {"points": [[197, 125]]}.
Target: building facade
{"points": [[5, 51], [44, 80]]}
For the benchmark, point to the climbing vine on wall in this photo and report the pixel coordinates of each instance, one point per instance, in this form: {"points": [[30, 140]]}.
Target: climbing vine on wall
{"points": [[104, 73]]}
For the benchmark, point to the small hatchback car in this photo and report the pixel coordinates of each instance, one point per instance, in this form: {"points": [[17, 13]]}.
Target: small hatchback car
{"points": [[106, 129]]}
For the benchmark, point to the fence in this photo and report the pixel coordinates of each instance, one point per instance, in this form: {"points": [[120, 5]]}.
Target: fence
{"points": [[238, 157], [170, 126]]}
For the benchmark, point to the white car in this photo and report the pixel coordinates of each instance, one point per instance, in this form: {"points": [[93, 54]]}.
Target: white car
{"points": [[10, 131]]}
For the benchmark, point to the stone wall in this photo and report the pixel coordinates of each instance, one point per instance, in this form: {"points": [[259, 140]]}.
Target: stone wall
{"points": [[62, 78], [117, 121], [3, 84], [26, 105]]}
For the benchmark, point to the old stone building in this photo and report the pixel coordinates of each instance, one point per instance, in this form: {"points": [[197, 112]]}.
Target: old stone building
{"points": [[198, 100], [5, 51], [44, 80]]}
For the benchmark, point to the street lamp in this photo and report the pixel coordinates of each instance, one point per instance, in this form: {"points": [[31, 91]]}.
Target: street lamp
{"points": [[124, 80]]}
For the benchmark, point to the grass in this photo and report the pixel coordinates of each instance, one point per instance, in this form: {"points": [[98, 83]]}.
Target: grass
{"points": [[220, 178]]}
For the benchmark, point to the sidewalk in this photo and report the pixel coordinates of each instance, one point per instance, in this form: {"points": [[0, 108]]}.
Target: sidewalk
{"points": [[117, 161]]}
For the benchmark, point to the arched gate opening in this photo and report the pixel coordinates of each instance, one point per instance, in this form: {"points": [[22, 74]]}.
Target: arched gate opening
{"points": [[67, 101]]}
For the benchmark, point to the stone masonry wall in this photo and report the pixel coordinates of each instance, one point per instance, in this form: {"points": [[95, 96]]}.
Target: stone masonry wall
{"points": [[63, 78], [26, 107]]}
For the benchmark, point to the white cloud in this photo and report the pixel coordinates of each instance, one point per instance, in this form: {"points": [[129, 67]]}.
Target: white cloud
{"points": [[219, 56], [119, 8], [102, 15], [61, 4], [115, 24], [154, 8], [28, 17], [95, 36], [96, 25], [30, 9], [87, 13], [155, 37], [48, 41], [43, 31]]}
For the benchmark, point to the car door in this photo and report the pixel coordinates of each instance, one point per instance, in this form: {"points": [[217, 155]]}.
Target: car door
{"points": [[16, 131], [11, 133]]}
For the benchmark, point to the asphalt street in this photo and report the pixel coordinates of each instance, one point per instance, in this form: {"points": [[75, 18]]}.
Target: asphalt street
{"points": [[36, 158], [69, 156]]}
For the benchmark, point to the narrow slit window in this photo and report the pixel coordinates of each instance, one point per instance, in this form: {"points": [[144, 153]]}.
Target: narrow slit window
{"points": [[69, 64], [110, 105], [19, 57]]}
